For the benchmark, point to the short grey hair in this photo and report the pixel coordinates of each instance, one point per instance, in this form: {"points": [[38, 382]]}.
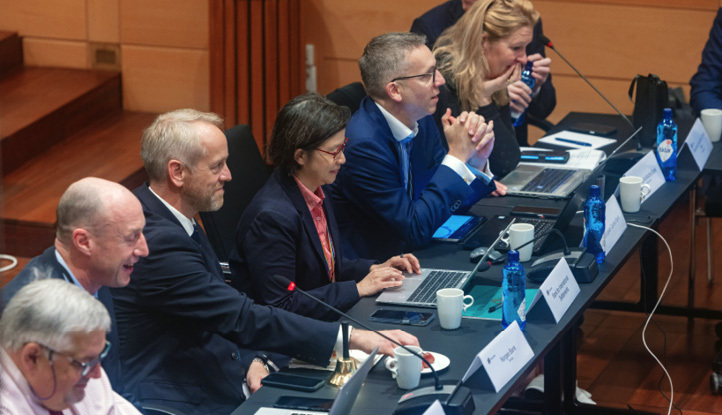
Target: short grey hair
{"points": [[172, 137], [384, 59], [48, 311], [83, 205]]}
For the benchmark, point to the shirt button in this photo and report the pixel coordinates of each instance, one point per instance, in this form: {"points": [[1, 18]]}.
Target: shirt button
{"points": [[234, 355]]}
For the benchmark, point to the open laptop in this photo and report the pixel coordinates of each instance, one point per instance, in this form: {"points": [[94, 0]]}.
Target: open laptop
{"points": [[420, 290], [343, 402], [484, 235]]}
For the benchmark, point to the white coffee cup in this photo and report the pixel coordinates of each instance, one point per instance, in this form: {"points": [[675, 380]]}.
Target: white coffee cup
{"points": [[712, 121], [631, 192], [450, 303], [405, 367], [519, 234]]}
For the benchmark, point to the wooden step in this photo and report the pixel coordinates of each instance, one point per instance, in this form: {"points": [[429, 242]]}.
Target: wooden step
{"points": [[11, 52], [108, 148], [39, 107]]}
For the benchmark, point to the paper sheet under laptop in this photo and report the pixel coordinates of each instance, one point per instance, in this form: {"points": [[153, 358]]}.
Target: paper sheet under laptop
{"points": [[593, 140], [578, 158]]}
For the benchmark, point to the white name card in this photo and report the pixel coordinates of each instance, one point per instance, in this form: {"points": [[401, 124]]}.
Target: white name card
{"points": [[614, 224], [503, 357], [435, 409], [698, 143], [648, 169], [556, 293]]}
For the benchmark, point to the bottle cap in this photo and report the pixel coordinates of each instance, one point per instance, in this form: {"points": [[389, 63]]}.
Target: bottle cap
{"points": [[512, 255], [594, 190], [667, 113]]}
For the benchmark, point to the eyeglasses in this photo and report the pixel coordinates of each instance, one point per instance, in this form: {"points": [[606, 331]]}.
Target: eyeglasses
{"points": [[338, 150], [85, 367], [431, 75]]}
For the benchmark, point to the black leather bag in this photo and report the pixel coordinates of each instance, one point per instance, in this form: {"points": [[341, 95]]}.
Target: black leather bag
{"points": [[651, 98]]}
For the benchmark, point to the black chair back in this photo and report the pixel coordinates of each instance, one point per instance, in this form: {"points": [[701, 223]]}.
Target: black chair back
{"points": [[249, 172], [348, 96]]}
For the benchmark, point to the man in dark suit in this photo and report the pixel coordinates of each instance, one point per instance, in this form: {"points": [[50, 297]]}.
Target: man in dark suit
{"points": [[98, 240], [399, 184], [544, 97], [180, 324]]}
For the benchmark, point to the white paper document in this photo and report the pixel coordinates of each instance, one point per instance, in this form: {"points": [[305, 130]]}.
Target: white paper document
{"points": [[571, 139]]}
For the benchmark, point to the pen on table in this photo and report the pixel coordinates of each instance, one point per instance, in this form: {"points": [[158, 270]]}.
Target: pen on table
{"points": [[569, 140], [494, 308]]}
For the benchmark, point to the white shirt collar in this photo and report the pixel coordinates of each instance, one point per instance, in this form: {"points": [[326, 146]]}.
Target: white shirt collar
{"points": [[74, 280], [186, 223], [398, 129]]}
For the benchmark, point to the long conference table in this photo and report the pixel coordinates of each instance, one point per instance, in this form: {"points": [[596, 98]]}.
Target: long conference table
{"points": [[554, 343]]}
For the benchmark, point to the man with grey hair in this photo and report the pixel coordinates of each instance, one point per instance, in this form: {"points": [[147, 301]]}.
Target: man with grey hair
{"points": [[180, 324], [399, 184], [50, 352], [98, 240]]}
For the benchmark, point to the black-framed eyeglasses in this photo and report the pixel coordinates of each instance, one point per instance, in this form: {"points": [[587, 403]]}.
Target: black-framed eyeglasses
{"points": [[431, 75], [338, 150], [85, 367]]}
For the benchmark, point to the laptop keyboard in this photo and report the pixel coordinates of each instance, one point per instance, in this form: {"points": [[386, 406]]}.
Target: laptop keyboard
{"points": [[541, 226], [436, 280], [548, 180]]}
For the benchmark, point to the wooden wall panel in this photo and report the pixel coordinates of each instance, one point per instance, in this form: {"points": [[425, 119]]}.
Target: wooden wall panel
{"points": [[41, 18], [178, 23], [103, 21], [164, 79], [47, 52], [258, 45]]}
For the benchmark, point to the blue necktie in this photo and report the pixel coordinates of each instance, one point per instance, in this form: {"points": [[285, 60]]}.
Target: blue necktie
{"points": [[405, 146]]}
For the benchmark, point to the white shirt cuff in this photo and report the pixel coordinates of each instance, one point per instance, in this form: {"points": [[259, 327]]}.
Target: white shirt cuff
{"points": [[465, 171]]}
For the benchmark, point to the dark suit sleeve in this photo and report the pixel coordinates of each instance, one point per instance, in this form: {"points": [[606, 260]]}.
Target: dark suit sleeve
{"points": [[175, 281], [544, 103], [271, 242], [706, 84], [377, 187]]}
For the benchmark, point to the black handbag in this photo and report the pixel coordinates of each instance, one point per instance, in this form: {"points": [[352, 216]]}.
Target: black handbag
{"points": [[651, 98]]}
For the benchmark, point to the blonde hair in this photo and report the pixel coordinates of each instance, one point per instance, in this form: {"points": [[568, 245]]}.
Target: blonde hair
{"points": [[458, 49]]}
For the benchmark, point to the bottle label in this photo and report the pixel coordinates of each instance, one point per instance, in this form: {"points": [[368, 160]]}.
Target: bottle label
{"points": [[521, 311], [664, 149]]}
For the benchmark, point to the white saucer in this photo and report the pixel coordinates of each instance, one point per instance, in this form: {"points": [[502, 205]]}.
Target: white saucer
{"points": [[441, 362]]}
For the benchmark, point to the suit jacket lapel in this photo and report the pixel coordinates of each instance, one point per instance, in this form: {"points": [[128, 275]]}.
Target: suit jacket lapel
{"points": [[294, 193]]}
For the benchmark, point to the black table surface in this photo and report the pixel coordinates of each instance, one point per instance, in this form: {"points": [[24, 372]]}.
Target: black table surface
{"points": [[380, 393]]}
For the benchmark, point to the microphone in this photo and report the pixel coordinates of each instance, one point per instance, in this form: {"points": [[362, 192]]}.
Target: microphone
{"points": [[583, 264], [428, 395], [548, 43]]}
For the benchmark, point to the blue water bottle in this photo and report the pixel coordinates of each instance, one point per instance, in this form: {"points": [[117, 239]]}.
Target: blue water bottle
{"points": [[513, 292], [667, 145], [529, 81], [594, 217]]}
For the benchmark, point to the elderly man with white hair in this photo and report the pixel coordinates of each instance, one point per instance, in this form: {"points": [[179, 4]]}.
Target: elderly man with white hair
{"points": [[52, 337]]}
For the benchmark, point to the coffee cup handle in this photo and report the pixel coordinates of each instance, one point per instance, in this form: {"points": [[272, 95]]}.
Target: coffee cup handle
{"points": [[467, 297], [647, 188], [391, 366]]}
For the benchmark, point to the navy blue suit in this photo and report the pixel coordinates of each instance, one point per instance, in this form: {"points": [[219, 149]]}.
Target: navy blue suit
{"points": [[706, 84], [375, 214], [47, 266], [181, 325], [277, 235], [435, 21]]}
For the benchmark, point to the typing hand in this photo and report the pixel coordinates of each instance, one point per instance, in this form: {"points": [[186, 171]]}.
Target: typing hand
{"points": [[378, 279], [500, 189], [407, 263], [368, 340]]}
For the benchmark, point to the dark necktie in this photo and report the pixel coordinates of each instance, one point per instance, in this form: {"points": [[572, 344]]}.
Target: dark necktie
{"points": [[406, 144], [200, 238]]}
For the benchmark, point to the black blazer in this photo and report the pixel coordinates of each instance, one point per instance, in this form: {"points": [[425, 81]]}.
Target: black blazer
{"points": [[47, 266], [277, 235], [181, 325]]}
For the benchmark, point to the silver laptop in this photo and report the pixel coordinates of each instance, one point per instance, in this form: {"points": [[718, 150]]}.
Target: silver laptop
{"points": [[420, 290], [345, 399], [542, 181]]}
